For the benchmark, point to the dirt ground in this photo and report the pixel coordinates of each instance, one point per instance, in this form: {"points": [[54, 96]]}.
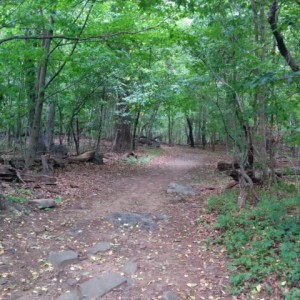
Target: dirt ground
{"points": [[179, 256]]}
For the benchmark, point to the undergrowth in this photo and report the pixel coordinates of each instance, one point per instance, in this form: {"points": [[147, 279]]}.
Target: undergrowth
{"points": [[19, 196], [262, 241], [145, 158]]}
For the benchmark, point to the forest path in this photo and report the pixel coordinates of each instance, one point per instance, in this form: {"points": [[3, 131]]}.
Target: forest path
{"points": [[165, 254]]}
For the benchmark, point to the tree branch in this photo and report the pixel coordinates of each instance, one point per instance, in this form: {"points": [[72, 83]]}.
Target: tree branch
{"points": [[78, 39], [279, 38], [73, 49]]}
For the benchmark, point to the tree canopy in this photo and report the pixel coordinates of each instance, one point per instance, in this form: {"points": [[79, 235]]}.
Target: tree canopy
{"points": [[154, 64]]}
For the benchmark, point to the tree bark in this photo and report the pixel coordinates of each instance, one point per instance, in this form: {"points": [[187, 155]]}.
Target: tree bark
{"points": [[203, 129], [135, 126], [122, 140], [273, 19], [36, 124], [191, 136], [259, 97], [49, 136]]}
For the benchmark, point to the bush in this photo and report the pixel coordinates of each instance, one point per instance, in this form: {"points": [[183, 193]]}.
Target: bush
{"points": [[263, 242]]}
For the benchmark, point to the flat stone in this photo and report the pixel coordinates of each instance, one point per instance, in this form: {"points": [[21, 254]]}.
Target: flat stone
{"points": [[59, 259], [71, 281], [100, 247], [75, 232], [181, 189], [3, 281], [100, 285], [170, 296], [143, 220], [130, 267], [43, 203], [69, 296]]}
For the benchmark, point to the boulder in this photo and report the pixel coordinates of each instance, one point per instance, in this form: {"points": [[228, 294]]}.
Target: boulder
{"points": [[43, 203]]}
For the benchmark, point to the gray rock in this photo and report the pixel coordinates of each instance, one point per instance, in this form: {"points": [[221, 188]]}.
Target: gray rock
{"points": [[71, 281], [170, 296], [130, 267], [43, 203], [3, 281], [59, 149], [69, 296], [181, 189], [101, 285], [144, 221], [59, 259], [100, 247], [75, 232]]}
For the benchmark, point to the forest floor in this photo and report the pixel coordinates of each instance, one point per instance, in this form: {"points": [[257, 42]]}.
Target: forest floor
{"points": [[173, 255]]}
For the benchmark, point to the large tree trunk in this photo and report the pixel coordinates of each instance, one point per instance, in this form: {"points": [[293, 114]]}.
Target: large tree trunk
{"points": [[122, 140]]}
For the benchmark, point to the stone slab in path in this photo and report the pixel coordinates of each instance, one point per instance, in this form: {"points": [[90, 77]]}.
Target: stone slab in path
{"points": [[100, 247], [182, 189], [69, 296], [142, 220], [60, 259], [100, 285], [170, 296], [130, 267]]}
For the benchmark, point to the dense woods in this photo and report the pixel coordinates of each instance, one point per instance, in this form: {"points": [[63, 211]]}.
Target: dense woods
{"points": [[209, 74], [123, 69]]}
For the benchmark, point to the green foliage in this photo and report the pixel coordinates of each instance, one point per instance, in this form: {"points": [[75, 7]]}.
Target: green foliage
{"points": [[58, 199], [262, 241], [16, 199], [145, 158], [19, 196]]}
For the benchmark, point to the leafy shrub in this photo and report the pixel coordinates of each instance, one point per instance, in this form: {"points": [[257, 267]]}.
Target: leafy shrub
{"points": [[262, 242], [16, 199]]}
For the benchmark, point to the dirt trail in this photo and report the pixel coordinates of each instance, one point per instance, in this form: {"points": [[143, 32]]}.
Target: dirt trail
{"points": [[144, 190], [178, 257]]}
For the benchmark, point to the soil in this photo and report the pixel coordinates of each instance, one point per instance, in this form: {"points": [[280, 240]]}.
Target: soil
{"points": [[179, 255]]}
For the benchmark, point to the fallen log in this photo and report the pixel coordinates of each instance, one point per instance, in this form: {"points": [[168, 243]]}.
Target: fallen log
{"points": [[225, 166], [234, 170], [84, 157], [46, 179], [7, 173]]}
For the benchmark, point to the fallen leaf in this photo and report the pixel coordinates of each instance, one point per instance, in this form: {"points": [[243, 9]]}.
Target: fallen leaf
{"points": [[191, 285]]}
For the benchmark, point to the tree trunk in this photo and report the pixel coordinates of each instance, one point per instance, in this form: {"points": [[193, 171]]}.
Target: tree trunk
{"points": [[191, 136], [135, 126], [122, 140], [76, 135], [36, 124], [203, 129], [259, 97], [273, 18], [99, 130], [49, 137], [60, 113]]}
